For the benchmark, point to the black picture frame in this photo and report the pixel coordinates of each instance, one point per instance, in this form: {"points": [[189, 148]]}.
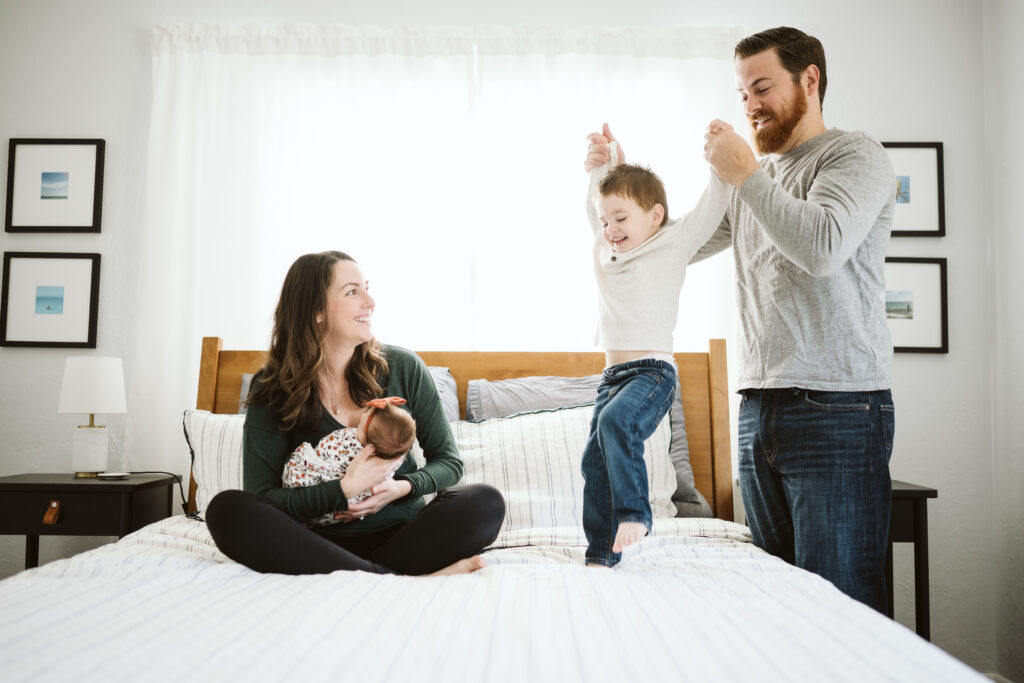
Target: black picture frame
{"points": [[917, 286], [32, 311], [54, 185], [920, 165]]}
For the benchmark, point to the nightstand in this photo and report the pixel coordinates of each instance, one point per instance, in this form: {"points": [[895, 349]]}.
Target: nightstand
{"points": [[908, 523], [37, 505]]}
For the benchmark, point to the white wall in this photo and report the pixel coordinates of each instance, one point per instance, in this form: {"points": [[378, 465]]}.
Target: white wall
{"points": [[1002, 22], [902, 71]]}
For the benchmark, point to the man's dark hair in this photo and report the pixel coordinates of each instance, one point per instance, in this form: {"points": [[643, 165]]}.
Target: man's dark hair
{"points": [[796, 51]]}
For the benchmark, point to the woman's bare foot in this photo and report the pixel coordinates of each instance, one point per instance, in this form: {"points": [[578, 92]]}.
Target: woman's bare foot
{"points": [[466, 566], [628, 534]]}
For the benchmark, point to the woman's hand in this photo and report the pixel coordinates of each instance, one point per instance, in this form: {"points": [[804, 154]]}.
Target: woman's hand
{"points": [[383, 493], [364, 470]]}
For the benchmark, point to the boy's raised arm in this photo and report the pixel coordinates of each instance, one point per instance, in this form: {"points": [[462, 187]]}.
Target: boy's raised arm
{"points": [[601, 146]]}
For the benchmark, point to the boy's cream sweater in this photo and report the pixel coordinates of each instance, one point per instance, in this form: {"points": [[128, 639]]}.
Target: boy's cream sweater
{"points": [[638, 291]]}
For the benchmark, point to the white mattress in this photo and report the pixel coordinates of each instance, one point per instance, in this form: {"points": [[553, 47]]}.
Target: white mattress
{"points": [[696, 601]]}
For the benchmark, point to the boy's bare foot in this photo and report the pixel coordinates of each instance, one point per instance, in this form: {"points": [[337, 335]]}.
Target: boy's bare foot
{"points": [[628, 534], [466, 566]]}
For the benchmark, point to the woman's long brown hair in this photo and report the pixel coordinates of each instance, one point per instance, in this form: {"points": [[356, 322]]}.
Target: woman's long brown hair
{"points": [[291, 376]]}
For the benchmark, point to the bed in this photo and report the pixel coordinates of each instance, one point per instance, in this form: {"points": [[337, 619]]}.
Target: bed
{"points": [[694, 601]]}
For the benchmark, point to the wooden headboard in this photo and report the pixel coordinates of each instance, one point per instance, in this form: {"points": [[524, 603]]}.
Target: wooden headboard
{"points": [[702, 378]]}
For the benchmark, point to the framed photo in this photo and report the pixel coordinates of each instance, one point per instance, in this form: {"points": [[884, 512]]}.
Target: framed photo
{"points": [[54, 185], [920, 198], [50, 299], [915, 304]]}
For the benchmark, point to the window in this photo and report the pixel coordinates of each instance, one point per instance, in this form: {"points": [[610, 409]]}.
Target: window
{"points": [[447, 161]]}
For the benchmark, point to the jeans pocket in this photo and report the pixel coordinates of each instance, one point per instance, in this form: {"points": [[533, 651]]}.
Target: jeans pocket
{"points": [[888, 426], [660, 384], [835, 400]]}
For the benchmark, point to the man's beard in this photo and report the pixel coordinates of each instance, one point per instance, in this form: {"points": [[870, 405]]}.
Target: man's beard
{"points": [[771, 139]]}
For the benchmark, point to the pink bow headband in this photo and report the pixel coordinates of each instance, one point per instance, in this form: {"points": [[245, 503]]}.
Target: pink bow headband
{"points": [[381, 404]]}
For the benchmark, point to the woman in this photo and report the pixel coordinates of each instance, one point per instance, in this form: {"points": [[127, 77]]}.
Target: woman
{"points": [[323, 366]]}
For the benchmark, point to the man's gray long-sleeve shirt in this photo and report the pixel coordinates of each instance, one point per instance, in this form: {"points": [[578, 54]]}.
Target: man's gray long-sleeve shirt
{"points": [[809, 232]]}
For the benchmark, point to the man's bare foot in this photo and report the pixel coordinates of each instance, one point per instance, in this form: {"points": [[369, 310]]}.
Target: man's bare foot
{"points": [[466, 566], [599, 566], [628, 534]]}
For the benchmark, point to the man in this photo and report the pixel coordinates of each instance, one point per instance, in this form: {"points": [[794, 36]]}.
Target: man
{"points": [[809, 225]]}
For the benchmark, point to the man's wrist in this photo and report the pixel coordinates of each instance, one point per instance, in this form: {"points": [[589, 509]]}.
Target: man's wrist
{"points": [[741, 180], [744, 174]]}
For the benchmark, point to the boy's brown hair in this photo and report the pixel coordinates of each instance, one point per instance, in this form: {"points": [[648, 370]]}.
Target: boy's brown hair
{"points": [[391, 430], [638, 183]]}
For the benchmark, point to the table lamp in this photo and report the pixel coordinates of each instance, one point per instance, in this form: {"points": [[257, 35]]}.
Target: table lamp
{"points": [[92, 384]]}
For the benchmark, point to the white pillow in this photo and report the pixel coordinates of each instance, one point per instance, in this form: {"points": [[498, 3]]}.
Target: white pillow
{"points": [[534, 460], [216, 444], [500, 398]]}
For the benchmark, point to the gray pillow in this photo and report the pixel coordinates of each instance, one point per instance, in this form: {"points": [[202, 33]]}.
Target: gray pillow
{"points": [[447, 390], [501, 398], [486, 399], [244, 393], [698, 509], [679, 451]]}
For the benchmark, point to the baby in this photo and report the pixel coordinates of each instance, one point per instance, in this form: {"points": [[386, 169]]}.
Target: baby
{"points": [[384, 430]]}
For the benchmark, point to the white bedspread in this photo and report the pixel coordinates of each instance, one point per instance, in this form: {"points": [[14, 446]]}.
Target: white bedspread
{"points": [[696, 601]]}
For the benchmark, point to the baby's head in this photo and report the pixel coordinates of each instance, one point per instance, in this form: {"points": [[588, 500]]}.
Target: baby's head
{"points": [[388, 428], [631, 205]]}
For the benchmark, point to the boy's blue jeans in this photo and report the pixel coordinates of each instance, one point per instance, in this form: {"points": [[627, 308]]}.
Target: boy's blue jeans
{"points": [[631, 400], [814, 472]]}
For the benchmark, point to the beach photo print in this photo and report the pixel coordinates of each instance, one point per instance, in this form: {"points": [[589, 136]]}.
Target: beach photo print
{"points": [[49, 299], [54, 185], [920, 204], [915, 304]]}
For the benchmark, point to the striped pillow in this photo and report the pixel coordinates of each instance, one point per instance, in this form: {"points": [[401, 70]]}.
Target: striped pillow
{"points": [[534, 460], [216, 444]]}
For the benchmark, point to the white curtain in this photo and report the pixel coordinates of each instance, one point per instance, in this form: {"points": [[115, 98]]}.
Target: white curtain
{"points": [[447, 161]]}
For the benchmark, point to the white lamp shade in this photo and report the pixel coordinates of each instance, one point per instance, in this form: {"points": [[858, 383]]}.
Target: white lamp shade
{"points": [[92, 384]]}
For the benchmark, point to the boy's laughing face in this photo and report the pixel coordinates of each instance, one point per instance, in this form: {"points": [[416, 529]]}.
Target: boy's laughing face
{"points": [[624, 225]]}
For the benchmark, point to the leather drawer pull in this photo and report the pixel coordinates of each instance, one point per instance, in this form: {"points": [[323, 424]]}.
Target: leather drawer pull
{"points": [[52, 513]]}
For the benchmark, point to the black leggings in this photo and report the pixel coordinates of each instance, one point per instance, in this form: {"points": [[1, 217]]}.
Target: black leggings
{"points": [[459, 522]]}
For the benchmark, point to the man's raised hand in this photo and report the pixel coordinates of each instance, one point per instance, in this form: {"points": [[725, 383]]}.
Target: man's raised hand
{"points": [[597, 149]]}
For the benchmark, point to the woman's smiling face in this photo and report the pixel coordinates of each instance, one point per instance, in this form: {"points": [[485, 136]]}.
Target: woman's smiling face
{"points": [[349, 306]]}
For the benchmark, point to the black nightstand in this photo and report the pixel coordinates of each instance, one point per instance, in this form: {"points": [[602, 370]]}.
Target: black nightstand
{"points": [[61, 505], [908, 523]]}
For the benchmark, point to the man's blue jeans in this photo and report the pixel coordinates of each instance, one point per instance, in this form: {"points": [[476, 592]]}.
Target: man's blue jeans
{"points": [[631, 400], [814, 472]]}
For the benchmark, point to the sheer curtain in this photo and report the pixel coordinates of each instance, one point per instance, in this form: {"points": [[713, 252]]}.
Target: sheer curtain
{"points": [[448, 161]]}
